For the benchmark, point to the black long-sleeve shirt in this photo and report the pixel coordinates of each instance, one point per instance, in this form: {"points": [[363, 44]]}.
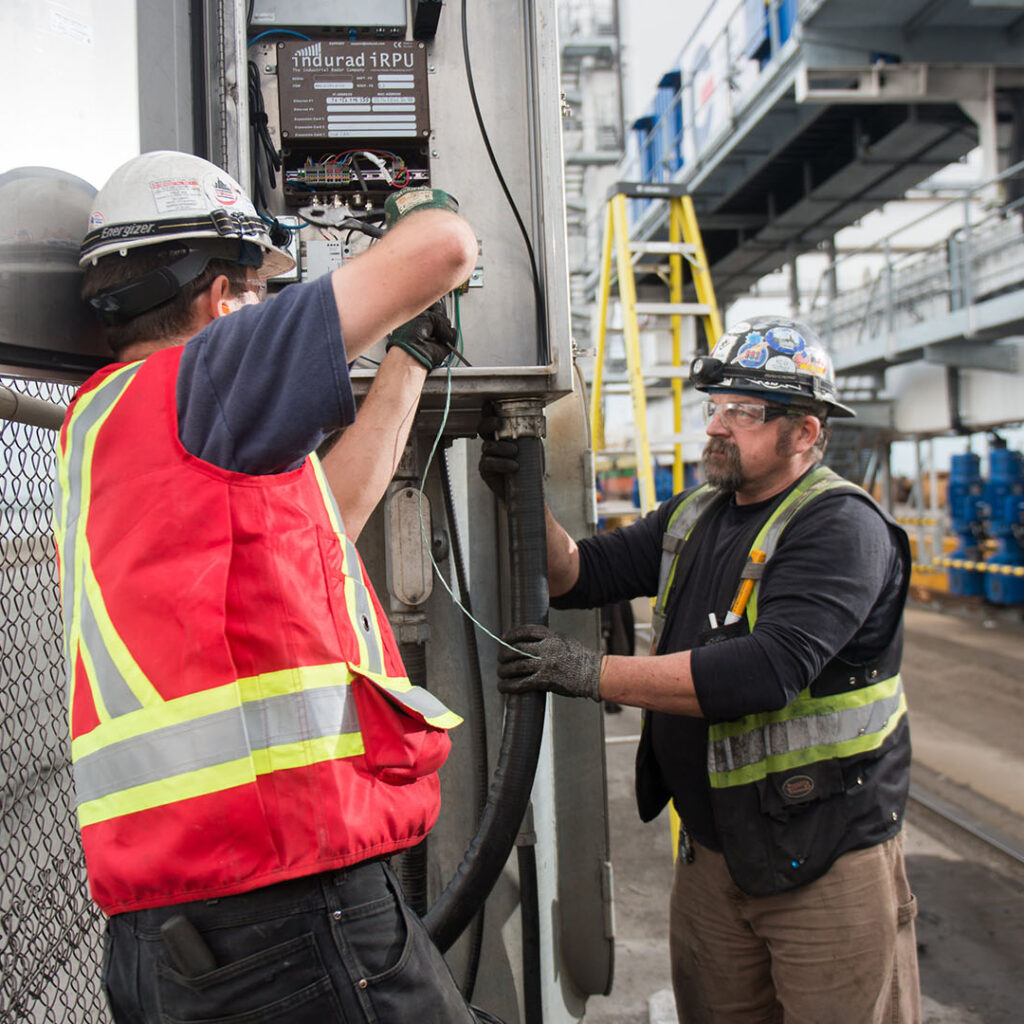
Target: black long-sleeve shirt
{"points": [[833, 587]]}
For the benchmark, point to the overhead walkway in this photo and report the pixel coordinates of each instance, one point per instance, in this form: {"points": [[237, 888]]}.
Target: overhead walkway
{"points": [[948, 303], [787, 120]]}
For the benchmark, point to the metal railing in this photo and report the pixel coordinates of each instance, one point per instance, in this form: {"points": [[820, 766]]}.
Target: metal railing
{"points": [[975, 250], [50, 930]]}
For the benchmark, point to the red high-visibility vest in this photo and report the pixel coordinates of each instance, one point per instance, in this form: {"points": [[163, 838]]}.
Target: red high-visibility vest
{"points": [[239, 711]]}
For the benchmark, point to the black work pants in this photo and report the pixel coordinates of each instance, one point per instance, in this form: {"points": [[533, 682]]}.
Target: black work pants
{"points": [[336, 947]]}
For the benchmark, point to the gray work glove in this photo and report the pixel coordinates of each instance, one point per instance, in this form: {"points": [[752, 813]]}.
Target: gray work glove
{"points": [[499, 459], [429, 338], [562, 665]]}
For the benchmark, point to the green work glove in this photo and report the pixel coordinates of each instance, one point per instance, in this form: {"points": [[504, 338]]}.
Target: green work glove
{"points": [[399, 204], [561, 664], [429, 338]]}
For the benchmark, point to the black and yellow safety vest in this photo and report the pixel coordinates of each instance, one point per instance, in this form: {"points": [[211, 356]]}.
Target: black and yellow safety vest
{"points": [[793, 789]]}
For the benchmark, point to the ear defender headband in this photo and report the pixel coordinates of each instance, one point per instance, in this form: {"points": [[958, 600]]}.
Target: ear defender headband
{"points": [[127, 301]]}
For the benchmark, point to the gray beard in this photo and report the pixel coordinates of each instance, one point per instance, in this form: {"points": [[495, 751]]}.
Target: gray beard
{"points": [[726, 477]]}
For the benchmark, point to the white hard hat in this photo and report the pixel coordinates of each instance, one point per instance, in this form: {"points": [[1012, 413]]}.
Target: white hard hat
{"points": [[166, 196], [43, 321]]}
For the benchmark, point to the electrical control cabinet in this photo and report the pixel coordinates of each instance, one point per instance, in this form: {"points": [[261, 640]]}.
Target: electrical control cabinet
{"points": [[464, 101], [354, 117]]}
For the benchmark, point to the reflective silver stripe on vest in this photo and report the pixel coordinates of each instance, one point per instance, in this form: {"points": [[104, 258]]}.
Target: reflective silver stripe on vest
{"points": [[364, 610], [116, 694], [364, 605], [781, 738], [118, 697], [422, 701], [215, 739]]}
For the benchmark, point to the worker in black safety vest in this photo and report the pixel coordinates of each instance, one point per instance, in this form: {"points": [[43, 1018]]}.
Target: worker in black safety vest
{"points": [[775, 715]]}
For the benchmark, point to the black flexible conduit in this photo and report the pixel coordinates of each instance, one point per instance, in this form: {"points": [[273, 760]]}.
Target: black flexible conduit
{"points": [[529, 918], [412, 866], [524, 714], [477, 711]]}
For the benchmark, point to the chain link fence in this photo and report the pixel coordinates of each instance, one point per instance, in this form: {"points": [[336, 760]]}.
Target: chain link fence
{"points": [[50, 930]]}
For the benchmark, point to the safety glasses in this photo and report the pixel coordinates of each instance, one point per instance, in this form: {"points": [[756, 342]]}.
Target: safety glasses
{"points": [[743, 415], [255, 290]]}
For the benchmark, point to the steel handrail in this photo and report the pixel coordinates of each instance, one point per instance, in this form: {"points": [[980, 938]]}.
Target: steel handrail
{"points": [[865, 250]]}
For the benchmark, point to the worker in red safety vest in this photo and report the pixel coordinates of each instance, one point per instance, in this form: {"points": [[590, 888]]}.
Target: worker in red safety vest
{"points": [[247, 747]]}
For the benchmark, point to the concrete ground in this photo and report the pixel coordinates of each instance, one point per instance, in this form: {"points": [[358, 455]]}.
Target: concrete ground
{"points": [[971, 923]]}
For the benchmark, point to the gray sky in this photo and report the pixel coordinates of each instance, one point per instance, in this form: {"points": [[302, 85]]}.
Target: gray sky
{"points": [[653, 33]]}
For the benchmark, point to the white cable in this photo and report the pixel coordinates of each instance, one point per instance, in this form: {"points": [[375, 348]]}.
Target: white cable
{"points": [[374, 159], [423, 528]]}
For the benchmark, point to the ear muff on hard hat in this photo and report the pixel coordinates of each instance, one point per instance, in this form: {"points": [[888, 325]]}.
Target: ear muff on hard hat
{"points": [[125, 302], [167, 196], [774, 358]]}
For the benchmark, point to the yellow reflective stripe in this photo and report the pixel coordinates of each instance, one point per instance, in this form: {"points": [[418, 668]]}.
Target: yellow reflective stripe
{"points": [[358, 601], [219, 777], [117, 651], [333, 512], [167, 791], [208, 702], [307, 752], [809, 755], [87, 589], [291, 680], [805, 706], [816, 482], [74, 469], [174, 760], [760, 745]]}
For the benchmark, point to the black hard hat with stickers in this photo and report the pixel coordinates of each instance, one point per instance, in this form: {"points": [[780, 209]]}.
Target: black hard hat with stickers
{"points": [[773, 358]]}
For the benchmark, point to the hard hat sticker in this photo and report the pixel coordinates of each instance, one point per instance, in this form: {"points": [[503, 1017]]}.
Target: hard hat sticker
{"points": [[811, 362], [220, 189], [178, 195], [784, 339], [96, 219], [754, 351], [726, 343]]}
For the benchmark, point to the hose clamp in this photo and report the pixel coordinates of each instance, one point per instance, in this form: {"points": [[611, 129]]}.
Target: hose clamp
{"points": [[520, 418]]}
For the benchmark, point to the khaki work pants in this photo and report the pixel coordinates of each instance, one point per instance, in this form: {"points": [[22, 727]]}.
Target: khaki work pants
{"points": [[840, 950]]}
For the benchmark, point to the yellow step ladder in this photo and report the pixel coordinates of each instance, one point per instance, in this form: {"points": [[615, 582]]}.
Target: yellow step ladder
{"points": [[684, 245]]}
